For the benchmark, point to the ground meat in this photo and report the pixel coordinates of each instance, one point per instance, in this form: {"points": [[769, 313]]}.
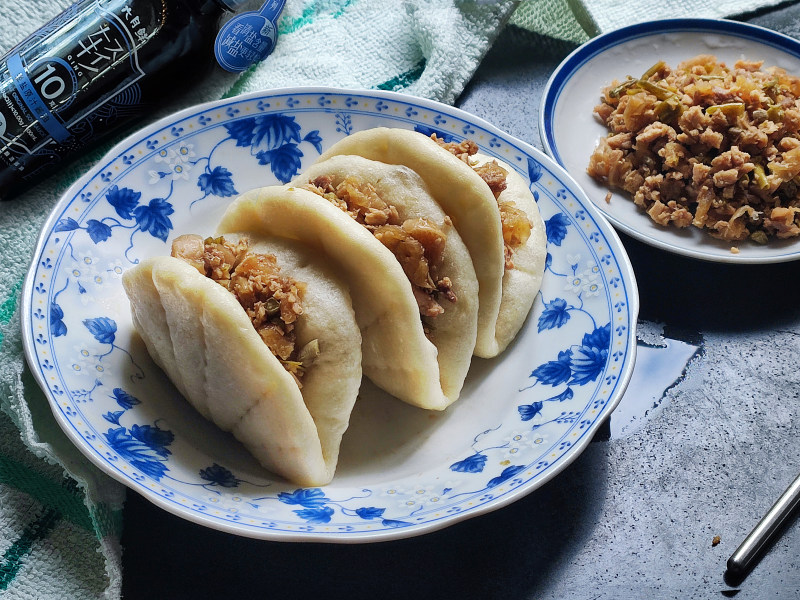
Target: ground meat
{"points": [[516, 230], [706, 145], [418, 244], [494, 175], [272, 300], [462, 150], [515, 223]]}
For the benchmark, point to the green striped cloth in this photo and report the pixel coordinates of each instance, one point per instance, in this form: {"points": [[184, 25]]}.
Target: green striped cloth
{"points": [[60, 517]]}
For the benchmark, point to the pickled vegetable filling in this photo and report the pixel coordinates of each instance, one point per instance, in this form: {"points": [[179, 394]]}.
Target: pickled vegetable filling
{"points": [[272, 300], [515, 223], [418, 244], [707, 146]]}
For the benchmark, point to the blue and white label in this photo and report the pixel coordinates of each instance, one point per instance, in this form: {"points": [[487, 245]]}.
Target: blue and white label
{"points": [[249, 38], [54, 81]]}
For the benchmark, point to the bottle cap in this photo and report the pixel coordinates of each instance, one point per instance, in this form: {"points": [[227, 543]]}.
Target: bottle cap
{"points": [[248, 38]]}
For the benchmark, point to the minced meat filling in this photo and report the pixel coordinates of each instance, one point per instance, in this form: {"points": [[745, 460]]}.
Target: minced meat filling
{"points": [[418, 244], [515, 223], [272, 300], [706, 145]]}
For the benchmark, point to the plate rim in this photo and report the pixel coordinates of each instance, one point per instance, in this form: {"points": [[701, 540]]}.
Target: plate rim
{"points": [[626, 270], [596, 46]]}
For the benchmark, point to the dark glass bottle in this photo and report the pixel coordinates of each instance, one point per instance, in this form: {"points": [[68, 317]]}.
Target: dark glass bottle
{"points": [[92, 70]]}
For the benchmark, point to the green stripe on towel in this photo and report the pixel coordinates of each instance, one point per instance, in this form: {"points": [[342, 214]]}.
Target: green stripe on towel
{"points": [[8, 306], [404, 79], [12, 559], [64, 497], [287, 25]]}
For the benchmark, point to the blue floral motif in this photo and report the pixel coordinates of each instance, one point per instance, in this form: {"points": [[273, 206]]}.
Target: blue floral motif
{"points": [[273, 131], [218, 475], [471, 464], [124, 399], [371, 512], [592, 356], [308, 497], [528, 411], [143, 447], [154, 218], [114, 417], [68, 224], [104, 331], [123, 200], [318, 516], [318, 509], [344, 124], [315, 139], [218, 182], [577, 365], [285, 161], [555, 372], [507, 474], [274, 140], [102, 328], [394, 523], [567, 394], [98, 231], [554, 315], [57, 326], [534, 170], [154, 437], [556, 228]]}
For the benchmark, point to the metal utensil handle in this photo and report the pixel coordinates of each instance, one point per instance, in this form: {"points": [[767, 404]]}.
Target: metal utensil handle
{"points": [[740, 561]]}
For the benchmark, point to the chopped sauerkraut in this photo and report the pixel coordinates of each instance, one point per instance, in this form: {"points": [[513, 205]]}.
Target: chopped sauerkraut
{"points": [[705, 145], [515, 223], [417, 244], [272, 300]]}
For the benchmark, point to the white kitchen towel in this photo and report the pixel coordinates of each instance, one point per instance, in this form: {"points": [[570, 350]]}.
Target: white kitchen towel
{"points": [[578, 21]]}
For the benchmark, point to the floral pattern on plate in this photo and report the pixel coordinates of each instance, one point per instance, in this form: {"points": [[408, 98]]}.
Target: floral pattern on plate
{"points": [[521, 419]]}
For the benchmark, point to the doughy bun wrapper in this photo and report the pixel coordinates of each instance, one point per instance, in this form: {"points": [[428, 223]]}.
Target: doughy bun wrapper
{"points": [[522, 283], [397, 356], [454, 331], [463, 196], [198, 333]]}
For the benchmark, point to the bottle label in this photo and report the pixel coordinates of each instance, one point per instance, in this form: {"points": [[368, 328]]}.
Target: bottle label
{"points": [[55, 82], [34, 98]]}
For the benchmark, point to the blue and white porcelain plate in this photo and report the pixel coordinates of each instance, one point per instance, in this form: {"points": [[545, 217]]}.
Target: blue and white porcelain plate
{"points": [[522, 418], [570, 131]]}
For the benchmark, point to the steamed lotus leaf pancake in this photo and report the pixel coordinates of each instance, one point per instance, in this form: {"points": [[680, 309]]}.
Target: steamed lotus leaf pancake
{"points": [[469, 189], [393, 203], [288, 409], [525, 264], [397, 355]]}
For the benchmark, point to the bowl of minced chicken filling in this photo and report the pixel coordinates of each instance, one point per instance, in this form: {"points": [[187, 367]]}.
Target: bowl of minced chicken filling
{"points": [[706, 145]]}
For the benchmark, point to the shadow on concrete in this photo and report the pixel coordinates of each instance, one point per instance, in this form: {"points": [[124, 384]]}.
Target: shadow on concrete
{"points": [[509, 553]]}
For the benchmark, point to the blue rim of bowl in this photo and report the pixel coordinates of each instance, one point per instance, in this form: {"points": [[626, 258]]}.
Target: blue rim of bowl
{"points": [[586, 52]]}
